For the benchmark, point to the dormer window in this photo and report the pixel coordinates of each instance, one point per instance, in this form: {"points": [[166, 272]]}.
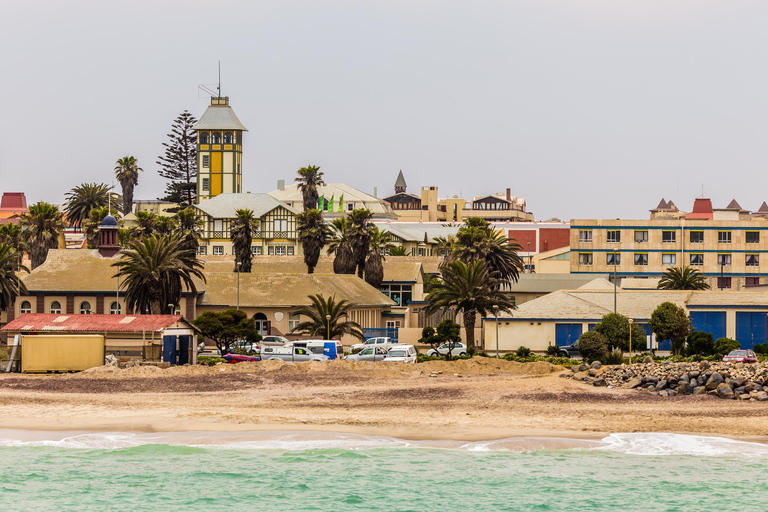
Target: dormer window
{"points": [[204, 138], [228, 138], [216, 138]]}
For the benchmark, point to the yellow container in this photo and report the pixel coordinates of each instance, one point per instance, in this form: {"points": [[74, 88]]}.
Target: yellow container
{"points": [[61, 352]]}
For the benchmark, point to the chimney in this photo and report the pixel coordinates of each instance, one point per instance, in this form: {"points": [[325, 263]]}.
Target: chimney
{"points": [[280, 184], [509, 194], [375, 192]]}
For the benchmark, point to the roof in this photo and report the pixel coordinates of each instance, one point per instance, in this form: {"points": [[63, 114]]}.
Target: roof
{"points": [[33, 322], [108, 221], [400, 182], [15, 201], [662, 205], [636, 283], [733, 205], [598, 284], [219, 117], [291, 195], [702, 209], [225, 206], [65, 270], [548, 283], [763, 208]]}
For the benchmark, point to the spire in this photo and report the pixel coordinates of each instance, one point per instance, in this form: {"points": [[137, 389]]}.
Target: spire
{"points": [[662, 205], [763, 208], [733, 205], [400, 184]]}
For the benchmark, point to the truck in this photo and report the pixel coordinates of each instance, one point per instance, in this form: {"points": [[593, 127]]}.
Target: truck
{"points": [[290, 353]]}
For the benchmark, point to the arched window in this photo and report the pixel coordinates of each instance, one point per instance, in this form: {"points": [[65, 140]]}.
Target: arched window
{"points": [[204, 138], [228, 138], [85, 308], [114, 308], [26, 307], [216, 138], [55, 308]]}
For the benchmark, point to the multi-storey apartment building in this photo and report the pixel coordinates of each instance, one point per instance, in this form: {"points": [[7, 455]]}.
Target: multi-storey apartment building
{"points": [[729, 246]]}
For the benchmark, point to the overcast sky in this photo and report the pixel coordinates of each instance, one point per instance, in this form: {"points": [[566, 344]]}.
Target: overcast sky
{"points": [[586, 108]]}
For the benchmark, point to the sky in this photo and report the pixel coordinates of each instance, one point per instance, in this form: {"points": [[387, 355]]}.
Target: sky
{"points": [[586, 108]]}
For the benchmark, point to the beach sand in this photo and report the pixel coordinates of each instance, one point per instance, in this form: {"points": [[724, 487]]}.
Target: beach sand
{"points": [[481, 399]]}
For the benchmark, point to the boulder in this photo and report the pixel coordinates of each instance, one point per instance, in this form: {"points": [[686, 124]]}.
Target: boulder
{"points": [[738, 382], [583, 368], [684, 378], [694, 374], [662, 384], [647, 360], [596, 365], [599, 383], [743, 396], [651, 380], [634, 383], [715, 380], [724, 390], [703, 365], [592, 372], [761, 396], [753, 387], [699, 390], [575, 368], [580, 375], [684, 389]]}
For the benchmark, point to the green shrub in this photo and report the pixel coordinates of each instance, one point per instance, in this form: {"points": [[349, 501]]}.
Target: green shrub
{"points": [[592, 345], [614, 357], [700, 343], [210, 360], [760, 348], [471, 350], [553, 350], [481, 353], [356, 350], [523, 352], [725, 345], [424, 358]]}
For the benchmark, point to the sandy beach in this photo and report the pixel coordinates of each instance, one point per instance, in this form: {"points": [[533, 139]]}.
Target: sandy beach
{"points": [[475, 400]]}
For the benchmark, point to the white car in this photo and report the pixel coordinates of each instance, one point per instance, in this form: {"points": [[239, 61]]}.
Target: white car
{"points": [[384, 342], [457, 349], [402, 354]]}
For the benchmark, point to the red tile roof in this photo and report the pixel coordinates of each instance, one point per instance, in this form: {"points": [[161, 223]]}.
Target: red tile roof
{"points": [[32, 322], [16, 201], [702, 209]]}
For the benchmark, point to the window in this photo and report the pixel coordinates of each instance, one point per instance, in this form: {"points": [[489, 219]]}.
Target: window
{"points": [[206, 161], [256, 250], [668, 237], [752, 281], [585, 235], [641, 237], [293, 321], [55, 308], [280, 225], [114, 308], [723, 237], [402, 294], [753, 237], [641, 258], [697, 237], [613, 236], [613, 258], [206, 184], [271, 250], [85, 308], [218, 225], [724, 283], [753, 260], [280, 250], [25, 307], [203, 250], [422, 251], [204, 138], [393, 324], [585, 258], [669, 259], [350, 207], [724, 260], [289, 250], [697, 260], [216, 139], [218, 250], [228, 138]]}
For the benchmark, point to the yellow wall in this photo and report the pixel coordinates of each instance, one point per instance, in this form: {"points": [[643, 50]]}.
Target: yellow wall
{"points": [[216, 176], [61, 353]]}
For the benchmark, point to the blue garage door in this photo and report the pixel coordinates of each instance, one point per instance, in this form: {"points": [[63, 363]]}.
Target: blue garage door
{"points": [[565, 334], [751, 328], [709, 322]]}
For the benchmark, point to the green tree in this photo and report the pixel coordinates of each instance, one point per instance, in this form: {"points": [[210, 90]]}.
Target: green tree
{"points": [[127, 173], [146, 224], [592, 345], [360, 231], [313, 235], [165, 225], [309, 179], [12, 234], [318, 323], [154, 271], [467, 287], [725, 345], [339, 245], [700, 343], [477, 240], [227, 327], [84, 198], [241, 234], [615, 328], [42, 225], [682, 278], [179, 163], [380, 244], [670, 322], [11, 285], [397, 251], [187, 227]]}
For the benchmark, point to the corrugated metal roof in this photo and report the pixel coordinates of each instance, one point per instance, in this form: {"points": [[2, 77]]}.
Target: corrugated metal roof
{"points": [[219, 117], [225, 206], [33, 322], [547, 283]]}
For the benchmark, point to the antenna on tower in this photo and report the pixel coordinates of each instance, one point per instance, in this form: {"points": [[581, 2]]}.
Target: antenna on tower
{"points": [[210, 90], [219, 88]]}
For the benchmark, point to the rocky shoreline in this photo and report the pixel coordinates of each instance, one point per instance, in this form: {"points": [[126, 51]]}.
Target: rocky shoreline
{"points": [[725, 380]]}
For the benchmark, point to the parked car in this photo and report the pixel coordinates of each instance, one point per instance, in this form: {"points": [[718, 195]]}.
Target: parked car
{"points": [[571, 351], [248, 346], [275, 339], [457, 349], [331, 348], [239, 358], [369, 354], [293, 354], [403, 354], [383, 341], [740, 356]]}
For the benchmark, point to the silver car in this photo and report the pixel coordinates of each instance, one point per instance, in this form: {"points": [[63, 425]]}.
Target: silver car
{"points": [[369, 354], [457, 349]]}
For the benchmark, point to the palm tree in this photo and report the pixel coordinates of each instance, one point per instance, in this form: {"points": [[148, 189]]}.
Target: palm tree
{"points": [[682, 278], [153, 271], [12, 234], [360, 229], [313, 234], [309, 179], [165, 224], [187, 227], [42, 225], [241, 234], [468, 287], [127, 173], [146, 224], [320, 325], [381, 243], [339, 245], [477, 240], [397, 251], [11, 285], [84, 198]]}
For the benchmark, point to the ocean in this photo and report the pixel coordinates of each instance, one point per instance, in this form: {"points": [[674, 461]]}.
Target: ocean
{"points": [[282, 471]]}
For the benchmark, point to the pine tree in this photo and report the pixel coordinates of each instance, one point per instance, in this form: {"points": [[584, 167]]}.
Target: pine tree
{"points": [[179, 164]]}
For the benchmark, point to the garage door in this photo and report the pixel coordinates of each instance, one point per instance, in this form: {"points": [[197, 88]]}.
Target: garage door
{"points": [[751, 328], [713, 322], [565, 334]]}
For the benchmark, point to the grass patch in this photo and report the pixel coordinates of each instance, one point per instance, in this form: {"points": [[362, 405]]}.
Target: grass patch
{"points": [[3, 353], [210, 360]]}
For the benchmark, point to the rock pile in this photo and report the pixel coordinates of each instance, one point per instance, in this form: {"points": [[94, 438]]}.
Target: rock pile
{"points": [[725, 380]]}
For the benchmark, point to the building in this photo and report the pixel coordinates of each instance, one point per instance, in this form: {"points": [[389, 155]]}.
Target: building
{"points": [[335, 200], [12, 206], [729, 246], [219, 151], [533, 286], [275, 236]]}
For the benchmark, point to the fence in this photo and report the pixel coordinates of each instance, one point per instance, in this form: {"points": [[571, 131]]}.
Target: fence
{"points": [[370, 332]]}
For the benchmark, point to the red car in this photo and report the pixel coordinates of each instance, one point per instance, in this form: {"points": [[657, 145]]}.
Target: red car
{"points": [[740, 356], [239, 358]]}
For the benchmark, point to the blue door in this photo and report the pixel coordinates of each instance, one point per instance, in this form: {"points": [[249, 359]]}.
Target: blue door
{"points": [[751, 328], [713, 322], [169, 350], [184, 342], [565, 334]]}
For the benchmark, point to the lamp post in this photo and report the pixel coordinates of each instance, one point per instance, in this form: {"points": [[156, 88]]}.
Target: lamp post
{"points": [[615, 255], [530, 257], [630, 340], [170, 308], [328, 325], [238, 284], [496, 314]]}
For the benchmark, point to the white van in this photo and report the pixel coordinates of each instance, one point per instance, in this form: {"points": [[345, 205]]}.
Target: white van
{"points": [[402, 353], [322, 347]]}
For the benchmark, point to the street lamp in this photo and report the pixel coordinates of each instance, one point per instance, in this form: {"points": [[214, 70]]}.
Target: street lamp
{"points": [[328, 324], [530, 257], [238, 284], [496, 313], [615, 256], [630, 340], [170, 308]]}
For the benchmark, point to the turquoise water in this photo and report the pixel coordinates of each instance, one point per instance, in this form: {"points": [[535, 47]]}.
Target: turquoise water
{"points": [[313, 471]]}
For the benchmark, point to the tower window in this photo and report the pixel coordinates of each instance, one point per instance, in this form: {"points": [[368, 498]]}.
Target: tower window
{"points": [[114, 308], [228, 138], [216, 139], [26, 307], [55, 308], [204, 138], [85, 308], [206, 184], [206, 161]]}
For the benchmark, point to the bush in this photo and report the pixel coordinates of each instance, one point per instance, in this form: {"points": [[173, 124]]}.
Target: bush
{"points": [[471, 350], [725, 345], [553, 350], [615, 328], [700, 343], [523, 352], [761, 348], [210, 360], [592, 345], [614, 357], [424, 358]]}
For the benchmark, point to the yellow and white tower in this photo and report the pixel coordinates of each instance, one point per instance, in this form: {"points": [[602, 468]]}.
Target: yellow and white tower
{"points": [[219, 150]]}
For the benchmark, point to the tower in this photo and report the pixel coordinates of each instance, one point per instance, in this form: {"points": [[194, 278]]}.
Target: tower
{"points": [[108, 237], [400, 184], [219, 150]]}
